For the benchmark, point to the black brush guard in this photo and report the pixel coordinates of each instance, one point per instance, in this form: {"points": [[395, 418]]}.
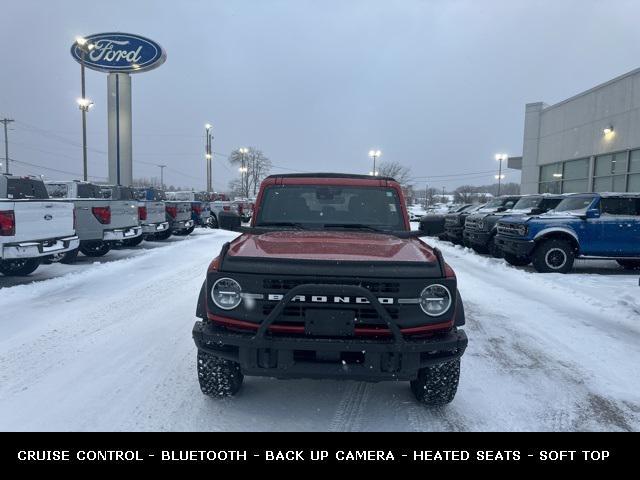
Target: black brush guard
{"points": [[290, 356]]}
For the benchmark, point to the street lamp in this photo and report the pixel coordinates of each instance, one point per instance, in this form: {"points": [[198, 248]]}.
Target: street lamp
{"points": [[85, 46], [244, 178], [374, 154], [500, 157], [207, 154]]}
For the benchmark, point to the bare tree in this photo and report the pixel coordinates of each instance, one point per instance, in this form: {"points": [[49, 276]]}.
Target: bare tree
{"points": [[258, 167], [396, 170]]}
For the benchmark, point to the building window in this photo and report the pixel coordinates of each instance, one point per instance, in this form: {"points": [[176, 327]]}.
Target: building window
{"points": [[575, 177], [634, 171], [611, 173], [550, 178], [565, 177]]}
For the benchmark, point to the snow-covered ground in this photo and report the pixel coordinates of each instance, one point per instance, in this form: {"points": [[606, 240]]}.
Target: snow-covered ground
{"points": [[108, 347]]}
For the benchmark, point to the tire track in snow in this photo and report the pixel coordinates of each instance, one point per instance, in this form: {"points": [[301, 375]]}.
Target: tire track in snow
{"points": [[349, 414]]}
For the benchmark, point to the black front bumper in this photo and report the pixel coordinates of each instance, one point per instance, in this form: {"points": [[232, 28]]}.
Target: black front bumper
{"points": [[329, 355], [363, 359], [454, 233], [518, 247], [477, 238]]}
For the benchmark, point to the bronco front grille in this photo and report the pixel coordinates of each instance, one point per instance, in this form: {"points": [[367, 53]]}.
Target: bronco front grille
{"points": [[373, 287], [471, 224], [361, 314], [509, 229]]}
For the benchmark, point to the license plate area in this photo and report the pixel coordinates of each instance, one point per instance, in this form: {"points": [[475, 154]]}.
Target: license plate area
{"points": [[328, 322]]}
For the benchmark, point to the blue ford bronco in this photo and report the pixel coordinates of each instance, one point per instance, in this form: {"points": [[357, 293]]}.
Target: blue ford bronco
{"points": [[480, 228], [585, 225]]}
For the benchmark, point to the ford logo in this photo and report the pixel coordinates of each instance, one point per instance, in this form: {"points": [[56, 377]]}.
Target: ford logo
{"points": [[48, 217], [120, 52]]}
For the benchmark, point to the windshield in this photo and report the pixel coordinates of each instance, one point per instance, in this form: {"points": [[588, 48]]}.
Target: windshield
{"points": [[527, 203], [574, 204], [321, 206], [495, 203]]}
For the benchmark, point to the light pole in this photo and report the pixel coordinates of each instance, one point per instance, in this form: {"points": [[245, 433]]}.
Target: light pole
{"points": [[500, 157], [162, 167], [243, 173], [83, 102], [207, 155], [374, 154]]}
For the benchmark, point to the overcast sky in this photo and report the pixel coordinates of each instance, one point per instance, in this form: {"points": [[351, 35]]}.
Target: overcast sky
{"points": [[439, 86]]}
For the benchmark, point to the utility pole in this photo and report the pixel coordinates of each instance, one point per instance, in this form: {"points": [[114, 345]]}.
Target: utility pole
{"points": [[162, 167], [6, 122], [207, 154]]}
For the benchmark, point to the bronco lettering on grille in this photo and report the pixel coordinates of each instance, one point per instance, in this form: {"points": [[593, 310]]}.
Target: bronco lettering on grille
{"points": [[275, 297]]}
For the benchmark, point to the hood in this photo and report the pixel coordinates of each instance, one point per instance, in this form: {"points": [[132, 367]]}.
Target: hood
{"points": [[337, 246]]}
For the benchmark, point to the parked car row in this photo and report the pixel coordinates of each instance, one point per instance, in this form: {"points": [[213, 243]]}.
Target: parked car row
{"points": [[46, 222], [548, 231]]}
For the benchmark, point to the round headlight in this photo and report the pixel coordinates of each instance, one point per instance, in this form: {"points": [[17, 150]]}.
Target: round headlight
{"points": [[522, 230], [480, 225], [435, 300], [226, 293]]}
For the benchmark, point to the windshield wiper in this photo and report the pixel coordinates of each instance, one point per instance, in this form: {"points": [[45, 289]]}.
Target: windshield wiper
{"points": [[356, 226], [281, 224]]}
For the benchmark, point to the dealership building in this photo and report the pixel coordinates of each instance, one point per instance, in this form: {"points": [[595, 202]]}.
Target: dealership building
{"points": [[587, 143]]}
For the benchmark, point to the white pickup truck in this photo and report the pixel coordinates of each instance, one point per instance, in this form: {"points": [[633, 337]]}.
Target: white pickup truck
{"points": [[100, 222], [31, 227]]}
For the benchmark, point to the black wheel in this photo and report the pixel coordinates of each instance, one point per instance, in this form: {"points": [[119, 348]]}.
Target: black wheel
{"points": [[67, 257], [213, 222], [553, 256], [494, 249], [94, 248], [629, 264], [515, 260], [162, 235], [218, 377], [437, 385], [186, 231], [133, 242], [19, 267]]}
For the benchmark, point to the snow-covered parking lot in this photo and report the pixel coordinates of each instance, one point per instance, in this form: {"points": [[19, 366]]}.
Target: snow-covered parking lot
{"points": [[108, 347]]}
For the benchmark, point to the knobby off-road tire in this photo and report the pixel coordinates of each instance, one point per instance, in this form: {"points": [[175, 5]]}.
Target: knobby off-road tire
{"points": [[553, 256], [437, 385], [133, 242], [629, 264], [218, 377], [19, 267], [516, 261]]}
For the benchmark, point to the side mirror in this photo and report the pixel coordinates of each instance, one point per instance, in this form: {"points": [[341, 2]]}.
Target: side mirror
{"points": [[536, 211], [501, 209], [592, 213], [432, 225], [229, 221]]}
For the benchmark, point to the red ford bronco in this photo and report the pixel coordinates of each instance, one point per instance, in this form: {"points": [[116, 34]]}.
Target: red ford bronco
{"points": [[330, 282]]}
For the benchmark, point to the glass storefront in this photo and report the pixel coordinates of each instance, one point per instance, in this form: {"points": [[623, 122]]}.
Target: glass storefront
{"points": [[614, 172]]}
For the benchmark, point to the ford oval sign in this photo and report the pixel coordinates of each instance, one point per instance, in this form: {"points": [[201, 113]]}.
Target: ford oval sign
{"points": [[120, 52]]}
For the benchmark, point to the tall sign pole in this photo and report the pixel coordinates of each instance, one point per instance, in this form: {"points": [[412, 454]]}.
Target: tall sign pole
{"points": [[119, 55], [6, 122]]}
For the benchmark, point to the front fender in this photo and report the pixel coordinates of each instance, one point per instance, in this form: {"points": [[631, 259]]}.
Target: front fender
{"points": [[201, 308], [549, 230], [460, 318]]}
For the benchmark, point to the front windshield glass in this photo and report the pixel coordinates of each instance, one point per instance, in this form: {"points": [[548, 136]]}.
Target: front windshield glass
{"points": [[495, 203], [527, 203], [574, 204], [319, 206]]}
